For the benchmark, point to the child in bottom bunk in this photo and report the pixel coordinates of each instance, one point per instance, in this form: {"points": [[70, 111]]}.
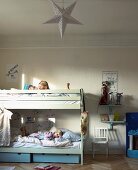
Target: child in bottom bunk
{"points": [[57, 138], [53, 135], [58, 134]]}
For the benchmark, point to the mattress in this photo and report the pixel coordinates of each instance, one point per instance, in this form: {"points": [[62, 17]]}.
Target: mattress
{"points": [[75, 145], [39, 100]]}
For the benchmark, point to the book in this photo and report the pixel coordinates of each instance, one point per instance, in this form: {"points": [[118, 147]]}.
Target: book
{"points": [[41, 166], [55, 168], [44, 166]]}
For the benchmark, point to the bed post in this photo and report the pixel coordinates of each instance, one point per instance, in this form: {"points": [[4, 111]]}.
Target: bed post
{"points": [[81, 110], [82, 102]]}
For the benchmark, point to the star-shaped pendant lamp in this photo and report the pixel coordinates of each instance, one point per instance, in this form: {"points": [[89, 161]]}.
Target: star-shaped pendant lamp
{"points": [[62, 17]]}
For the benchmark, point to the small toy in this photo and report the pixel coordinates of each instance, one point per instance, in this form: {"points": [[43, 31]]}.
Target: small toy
{"points": [[118, 98], [49, 135], [111, 98], [68, 86]]}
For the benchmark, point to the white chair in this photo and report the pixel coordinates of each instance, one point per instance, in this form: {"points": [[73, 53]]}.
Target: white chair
{"points": [[100, 137]]}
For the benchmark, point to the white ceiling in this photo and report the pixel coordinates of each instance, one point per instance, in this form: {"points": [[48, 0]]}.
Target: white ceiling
{"points": [[100, 18]]}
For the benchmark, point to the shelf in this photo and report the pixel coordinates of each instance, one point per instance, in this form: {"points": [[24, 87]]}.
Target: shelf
{"points": [[110, 105], [114, 122], [111, 108]]}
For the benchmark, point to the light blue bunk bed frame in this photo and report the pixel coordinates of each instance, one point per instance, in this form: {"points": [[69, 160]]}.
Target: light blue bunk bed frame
{"points": [[62, 155]]}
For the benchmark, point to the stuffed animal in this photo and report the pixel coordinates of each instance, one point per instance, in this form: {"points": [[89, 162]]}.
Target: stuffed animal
{"points": [[105, 93], [84, 122], [48, 135]]}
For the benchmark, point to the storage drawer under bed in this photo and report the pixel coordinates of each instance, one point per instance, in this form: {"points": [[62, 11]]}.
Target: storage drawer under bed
{"points": [[61, 158], [15, 157]]}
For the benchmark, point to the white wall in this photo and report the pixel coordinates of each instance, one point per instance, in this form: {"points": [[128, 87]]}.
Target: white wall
{"points": [[82, 67]]}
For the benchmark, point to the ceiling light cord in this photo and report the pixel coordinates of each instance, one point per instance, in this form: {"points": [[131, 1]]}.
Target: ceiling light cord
{"points": [[63, 4]]}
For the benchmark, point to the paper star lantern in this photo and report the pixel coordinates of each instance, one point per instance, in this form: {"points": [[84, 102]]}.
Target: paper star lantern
{"points": [[62, 17]]}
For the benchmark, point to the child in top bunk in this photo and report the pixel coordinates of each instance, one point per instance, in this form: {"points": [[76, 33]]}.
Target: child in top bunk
{"points": [[43, 85]]}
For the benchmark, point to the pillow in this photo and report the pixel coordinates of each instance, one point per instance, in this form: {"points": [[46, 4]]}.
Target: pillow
{"points": [[73, 137], [64, 130]]}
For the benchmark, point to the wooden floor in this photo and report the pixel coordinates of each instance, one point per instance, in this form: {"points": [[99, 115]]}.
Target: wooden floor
{"points": [[100, 162]]}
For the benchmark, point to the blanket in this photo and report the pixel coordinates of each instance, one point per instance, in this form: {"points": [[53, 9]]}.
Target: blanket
{"points": [[20, 141]]}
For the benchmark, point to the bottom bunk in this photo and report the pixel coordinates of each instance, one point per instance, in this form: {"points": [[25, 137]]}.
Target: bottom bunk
{"points": [[59, 155], [33, 127], [38, 147]]}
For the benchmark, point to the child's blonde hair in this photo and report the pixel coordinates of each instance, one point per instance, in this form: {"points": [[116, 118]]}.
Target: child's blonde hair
{"points": [[44, 84], [58, 133]]}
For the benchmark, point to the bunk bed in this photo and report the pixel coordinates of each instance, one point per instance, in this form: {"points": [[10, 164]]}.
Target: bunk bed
{"points": [[42, 99]]}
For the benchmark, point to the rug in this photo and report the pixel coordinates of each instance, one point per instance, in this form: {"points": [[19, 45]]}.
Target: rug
{"points": [[7, 167]]}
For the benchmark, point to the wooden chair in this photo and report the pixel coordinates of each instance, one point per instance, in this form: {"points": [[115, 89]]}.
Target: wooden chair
{"points": [[100, 137]]}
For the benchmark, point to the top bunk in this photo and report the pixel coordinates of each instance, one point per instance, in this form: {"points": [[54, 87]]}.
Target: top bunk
{"points": [[42, 99]]}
